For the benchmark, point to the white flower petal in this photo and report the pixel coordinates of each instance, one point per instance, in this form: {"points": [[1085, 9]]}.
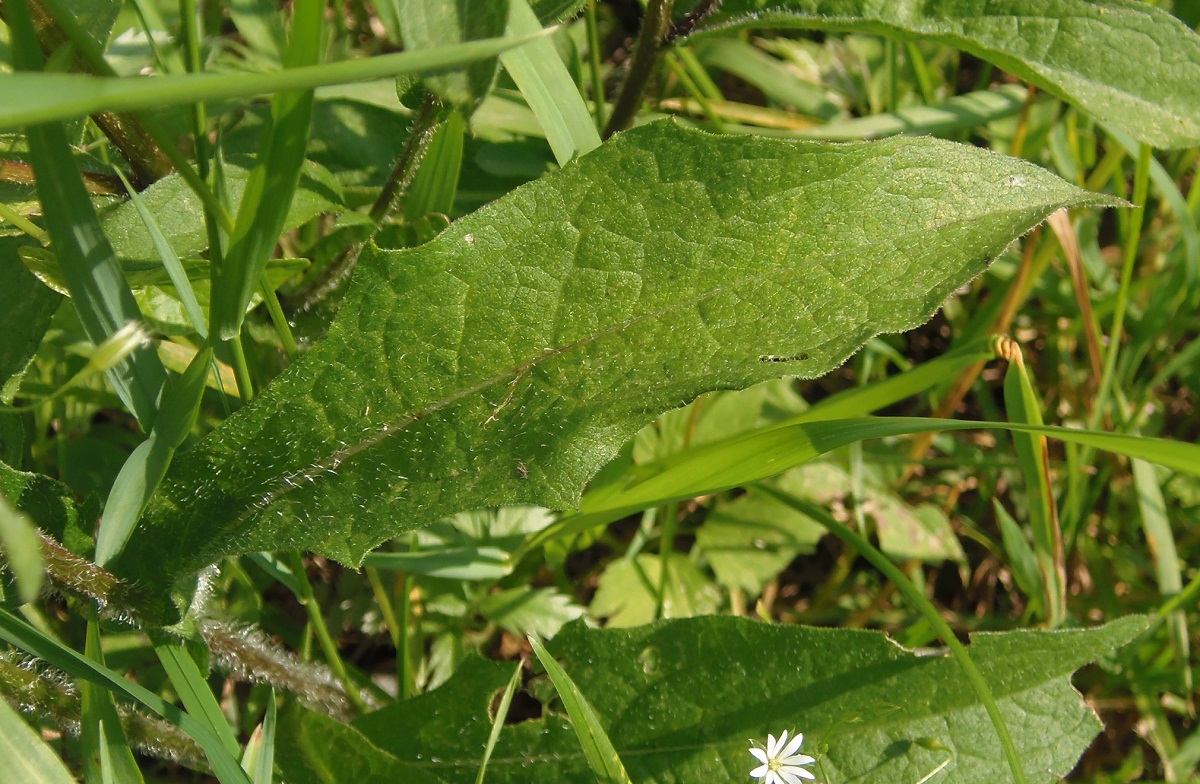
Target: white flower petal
{"points": [[773, 746], [786, 777], [800, 772], [792, 747], [760, 772], [773, 778], [797, 759], [759, 754]]}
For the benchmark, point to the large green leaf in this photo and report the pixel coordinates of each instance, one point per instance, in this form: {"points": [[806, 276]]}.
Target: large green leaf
{"points": [[679, 700], [1125, 61], [507, 360]]}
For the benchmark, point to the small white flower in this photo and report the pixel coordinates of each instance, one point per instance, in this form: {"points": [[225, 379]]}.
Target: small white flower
{"points": [[780, 761]]}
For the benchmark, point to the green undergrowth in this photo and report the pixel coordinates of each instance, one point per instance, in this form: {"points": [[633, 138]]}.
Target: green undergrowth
{"points": [[569, 391]]}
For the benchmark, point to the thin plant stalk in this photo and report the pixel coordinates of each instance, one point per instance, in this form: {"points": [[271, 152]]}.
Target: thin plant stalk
{"points": [[320, 630], [665, 549], [599, 104], [655, 26], [1141, 184], [690, 85]]}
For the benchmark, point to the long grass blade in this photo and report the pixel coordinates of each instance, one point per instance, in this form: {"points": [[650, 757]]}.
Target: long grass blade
{"points": [[90, 270], [25, 757], [170, 260], [1023, 405], [27, 98], [106, 752], [145, 468], [548, 88], [20, 634], [597, 748], [1168, 569], [272, 182], [498, 722], [194, 692], [722, 465], [21, 548]]}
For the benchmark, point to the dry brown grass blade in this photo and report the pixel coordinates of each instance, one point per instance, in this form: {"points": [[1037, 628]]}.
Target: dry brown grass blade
{"points": [[1060, 223]]}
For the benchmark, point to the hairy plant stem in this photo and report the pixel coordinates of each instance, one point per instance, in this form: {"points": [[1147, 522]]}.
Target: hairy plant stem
{"points": [[881, 562], [424, 126], [656, 25], [39, 690]]}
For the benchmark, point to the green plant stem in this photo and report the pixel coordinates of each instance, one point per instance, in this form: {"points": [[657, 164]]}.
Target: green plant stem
{"points": [[1188, 597], [384, 598], [241, 370], [665, 548], [655, 26], [279, 320], [316, 620], [24, 224], [1141, 184], [419, 137], [690, 85], [930, 613], [406, 682], [599, 102], [700, 76]]}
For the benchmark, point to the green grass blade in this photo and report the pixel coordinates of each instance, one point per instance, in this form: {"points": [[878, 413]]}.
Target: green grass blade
{"points": [[1021, 559], [27, 98], [106, 752], [264, 738], [272, 183], [145, 468], [21, 549], [1168, 569], [1173, 197], [498, 722], [26, 757], [777, 81], [90, 270], [1023, 405], [20, 634], [171, 263], [723, 465], [548, 88], [194, 692], [961, 111], [597, 748], [869, 398], [456, 563]]}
